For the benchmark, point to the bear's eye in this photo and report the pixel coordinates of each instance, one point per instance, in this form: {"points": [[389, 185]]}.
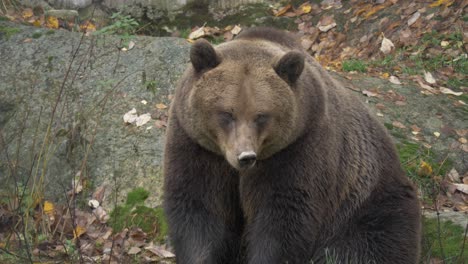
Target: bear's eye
{"points": [[225, 118], [262, 119]]}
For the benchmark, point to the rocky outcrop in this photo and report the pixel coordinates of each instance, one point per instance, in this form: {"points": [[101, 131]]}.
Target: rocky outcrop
{"points": [[63, 97]]}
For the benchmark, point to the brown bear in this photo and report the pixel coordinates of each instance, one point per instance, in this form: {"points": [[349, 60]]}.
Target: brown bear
{"points": [[269, 160]]}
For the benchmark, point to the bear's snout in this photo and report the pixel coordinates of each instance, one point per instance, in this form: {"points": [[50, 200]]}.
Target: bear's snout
{"points": [[247, 159]]}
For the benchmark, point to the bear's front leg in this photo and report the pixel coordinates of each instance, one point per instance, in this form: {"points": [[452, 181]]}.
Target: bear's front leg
{"points": [[201, 203], [280, 219]]}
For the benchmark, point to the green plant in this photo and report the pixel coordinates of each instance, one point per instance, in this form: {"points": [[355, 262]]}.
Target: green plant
{"points": [[354, 65], [8, 31], [36, 35], [122, 25], [412, 156], [151, 86], [135, 214], [443, 240]]}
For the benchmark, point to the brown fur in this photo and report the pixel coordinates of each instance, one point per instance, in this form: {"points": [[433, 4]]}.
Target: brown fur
{"points": [[326, 179]]}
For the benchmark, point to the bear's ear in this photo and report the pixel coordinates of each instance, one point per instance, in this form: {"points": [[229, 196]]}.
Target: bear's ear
{"points": [[204, 56], [290, 66]]}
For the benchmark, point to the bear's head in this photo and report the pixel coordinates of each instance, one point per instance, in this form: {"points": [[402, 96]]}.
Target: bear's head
{"points": [[242, 99]]}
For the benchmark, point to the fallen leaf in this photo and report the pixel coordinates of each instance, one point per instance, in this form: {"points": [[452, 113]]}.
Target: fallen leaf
{"points": [[283, 11], [370, 93], [394, 80], [445, 90], [93, 203], [446, 3], [425, 169], [198, 33], [326, 23], [52, 22], [398, 124], [27, 13], [462, 187], [415, 128], [386, 46], [423, 85], [413, 18], [453, 176], [142, 119], [429, 78], [130, 116], [134, 250], [236, 30], [444, 43], [88, 27], [463, 140], [437, 134], [159, 251], [305, 8], [160, 123], [131, 44], [161, 106], [78, 231]]}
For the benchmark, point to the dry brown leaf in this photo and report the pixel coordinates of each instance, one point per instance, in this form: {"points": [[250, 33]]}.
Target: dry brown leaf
{"points": [[159, 251], [453, 176], [236, 30], [445, 90], [134, 250], [387, 46], [429, 78], [198, 33], [398, 124], [415, 128], [161, 106], [413, 18], [370, 93], [423, 85], [282, 11], [27, 13], [394, 80], [461, 187]]}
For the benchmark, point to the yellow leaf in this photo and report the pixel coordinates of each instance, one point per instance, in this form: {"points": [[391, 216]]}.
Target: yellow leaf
{"points": [[27, 13], [48, 207], [37, 23], [161, 106], [385, 75], [88, 27], [446, 3], [79, 230], [425, 169], [373, 11], [306, 8], [52, 22]]}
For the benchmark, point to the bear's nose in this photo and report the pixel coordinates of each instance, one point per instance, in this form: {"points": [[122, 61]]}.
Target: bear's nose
{"points": [[247, 159]]}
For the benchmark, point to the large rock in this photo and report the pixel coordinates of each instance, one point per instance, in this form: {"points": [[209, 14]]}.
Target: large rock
{"points": [[87, 133], [71, 4]]}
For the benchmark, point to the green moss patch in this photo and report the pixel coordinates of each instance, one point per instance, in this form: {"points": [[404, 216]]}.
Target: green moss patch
{"points": [[135, 214], [7, 32], [354, 65], [444, 241]]}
